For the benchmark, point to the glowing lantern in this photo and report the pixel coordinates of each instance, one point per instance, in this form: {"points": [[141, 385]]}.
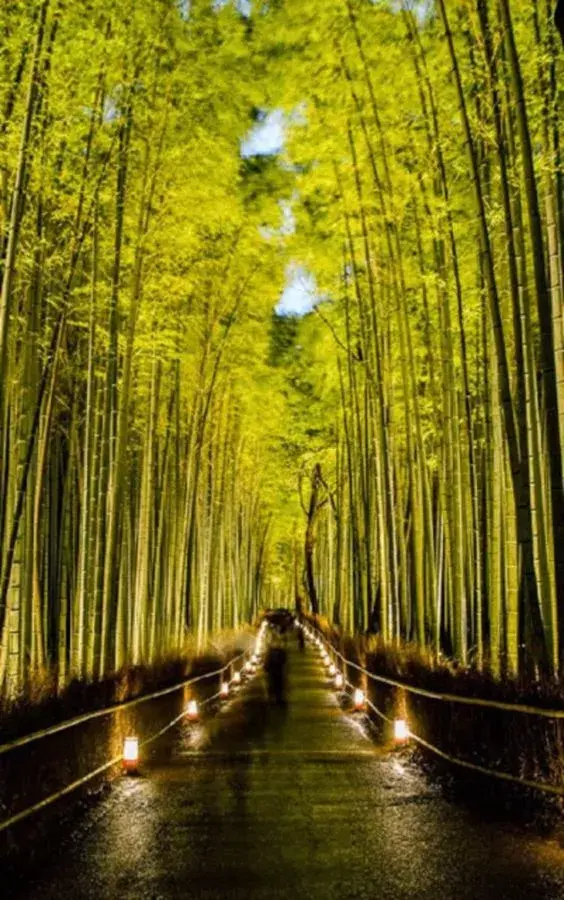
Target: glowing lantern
{"points": [[131, 754], [192, 710], [237, 678], [358, 699], [401, 730], [332, 670], [248, 666], [224, 690], [338, 681]]}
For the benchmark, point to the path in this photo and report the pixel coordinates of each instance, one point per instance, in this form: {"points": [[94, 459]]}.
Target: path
{"points": [[260, 803]]}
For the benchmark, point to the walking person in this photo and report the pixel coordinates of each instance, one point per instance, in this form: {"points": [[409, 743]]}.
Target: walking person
{"points": [[275, 669]]}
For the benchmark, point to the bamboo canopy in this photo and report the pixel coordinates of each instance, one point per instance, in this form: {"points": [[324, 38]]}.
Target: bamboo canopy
{"points": [[174, 453]]}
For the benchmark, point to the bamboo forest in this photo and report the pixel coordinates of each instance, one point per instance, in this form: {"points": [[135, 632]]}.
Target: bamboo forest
{"points": [[281, 324]]}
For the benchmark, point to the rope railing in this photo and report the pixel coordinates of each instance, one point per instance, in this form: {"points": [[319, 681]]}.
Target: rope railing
{"points": [[110, 710], [554, 789], [448, 698], [484, 770], [69, 723]]}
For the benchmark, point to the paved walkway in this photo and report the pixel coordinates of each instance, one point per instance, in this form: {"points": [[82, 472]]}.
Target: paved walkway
{"points": [[265, 803]]}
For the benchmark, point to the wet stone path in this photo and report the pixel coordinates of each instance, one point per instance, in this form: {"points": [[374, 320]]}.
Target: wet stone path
{"points": [[260, 802]]}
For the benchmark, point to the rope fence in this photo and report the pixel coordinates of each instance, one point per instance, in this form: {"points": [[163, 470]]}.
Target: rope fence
{"points": [[118, 707], [557, 790], [110, 710], [525, 709]]}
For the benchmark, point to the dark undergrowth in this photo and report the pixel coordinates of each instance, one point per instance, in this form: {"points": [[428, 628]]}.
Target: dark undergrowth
{"points": [[41, 704], [528, 747]]}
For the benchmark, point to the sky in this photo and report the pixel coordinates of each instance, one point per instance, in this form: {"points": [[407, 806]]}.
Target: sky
{"points": [[300, 294], [266, 137]]}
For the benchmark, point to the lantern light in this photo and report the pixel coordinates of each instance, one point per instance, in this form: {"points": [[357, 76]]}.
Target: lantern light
{"points": [[192, 710], [224, 690], [338, 681], [401, 730], [237, 677], [332, 670], [358, 699], [131, 754], [248, 666]]}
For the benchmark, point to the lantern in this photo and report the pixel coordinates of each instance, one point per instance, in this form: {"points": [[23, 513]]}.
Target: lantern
{"points": [[401, 730], [338, 681], [224, 689], [358, 699], [332, 670], [192, 710], [131, 754], [237, 677]]}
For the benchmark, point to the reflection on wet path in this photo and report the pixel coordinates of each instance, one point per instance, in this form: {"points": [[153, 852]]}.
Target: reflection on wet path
{"points": [[262, 802]]}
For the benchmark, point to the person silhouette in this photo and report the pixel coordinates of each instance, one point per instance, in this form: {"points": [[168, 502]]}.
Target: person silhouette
{"points": [[275, 669]]}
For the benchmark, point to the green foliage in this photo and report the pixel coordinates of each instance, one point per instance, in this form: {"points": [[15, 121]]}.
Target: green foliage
{"points": [[172, 450]]}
